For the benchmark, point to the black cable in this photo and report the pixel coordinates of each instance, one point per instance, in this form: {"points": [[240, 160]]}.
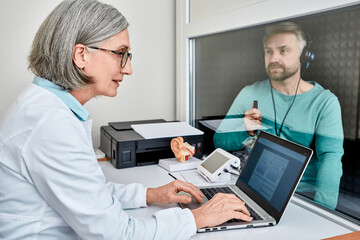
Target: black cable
{"points": [[272, 96]]}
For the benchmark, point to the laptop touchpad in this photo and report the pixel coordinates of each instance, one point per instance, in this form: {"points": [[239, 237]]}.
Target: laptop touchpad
{"points": [[194, 204]]}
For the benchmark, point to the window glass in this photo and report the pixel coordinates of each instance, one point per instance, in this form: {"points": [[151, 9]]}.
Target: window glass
{"points": [[229, 74]]}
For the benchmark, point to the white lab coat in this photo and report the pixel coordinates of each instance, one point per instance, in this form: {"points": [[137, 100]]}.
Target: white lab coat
{"points": [[51, 186]]}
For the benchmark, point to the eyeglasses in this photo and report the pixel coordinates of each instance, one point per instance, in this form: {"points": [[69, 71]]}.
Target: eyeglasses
{"points": [[125, 55]]}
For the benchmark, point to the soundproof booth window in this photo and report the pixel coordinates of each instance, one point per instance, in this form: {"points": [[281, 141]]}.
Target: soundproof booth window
{"points": [[231, 73]]}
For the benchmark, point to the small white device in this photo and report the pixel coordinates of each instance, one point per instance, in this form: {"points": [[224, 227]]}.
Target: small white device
{"points": [[213, 166]]}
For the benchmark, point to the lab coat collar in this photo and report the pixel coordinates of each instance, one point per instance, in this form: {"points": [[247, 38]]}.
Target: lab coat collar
{"points": [[75, 106]]}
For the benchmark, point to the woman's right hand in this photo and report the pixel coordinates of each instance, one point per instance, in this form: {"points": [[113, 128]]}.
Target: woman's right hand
{"points": [[221, 208]]}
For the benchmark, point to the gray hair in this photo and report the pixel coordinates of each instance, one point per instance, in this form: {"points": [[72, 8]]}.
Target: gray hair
{"points": [[72, 22], [286, 27]]}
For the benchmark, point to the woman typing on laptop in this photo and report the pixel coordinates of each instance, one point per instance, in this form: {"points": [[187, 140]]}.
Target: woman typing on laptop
{"points": [[51, 185]]}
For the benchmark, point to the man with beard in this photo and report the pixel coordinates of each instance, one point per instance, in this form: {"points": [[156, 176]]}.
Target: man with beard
{"points": [[294, 109]]}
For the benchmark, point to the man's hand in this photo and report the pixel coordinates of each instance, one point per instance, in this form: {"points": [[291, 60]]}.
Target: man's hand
{"points": [[221, 208], [168, 193], [252, 120]]}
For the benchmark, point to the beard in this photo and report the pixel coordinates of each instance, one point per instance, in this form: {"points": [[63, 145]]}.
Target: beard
{"points": [[281, 75]]}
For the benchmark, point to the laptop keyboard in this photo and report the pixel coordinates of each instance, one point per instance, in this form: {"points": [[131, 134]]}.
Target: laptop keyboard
{"points": [[210, 192]]}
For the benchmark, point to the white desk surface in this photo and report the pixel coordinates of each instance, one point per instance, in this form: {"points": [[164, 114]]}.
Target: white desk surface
{"points": [[296, 223]]}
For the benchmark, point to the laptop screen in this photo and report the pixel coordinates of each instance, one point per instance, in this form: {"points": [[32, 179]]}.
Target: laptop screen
{"points": [[273, 169]]}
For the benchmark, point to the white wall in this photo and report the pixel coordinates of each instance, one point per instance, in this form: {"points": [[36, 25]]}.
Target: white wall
{"points": [[149, 93]]}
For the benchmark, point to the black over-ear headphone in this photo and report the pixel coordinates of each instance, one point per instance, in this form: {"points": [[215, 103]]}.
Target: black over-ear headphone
{"points": [[307, 56]]}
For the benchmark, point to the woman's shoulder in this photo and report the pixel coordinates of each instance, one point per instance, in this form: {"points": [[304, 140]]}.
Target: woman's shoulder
{"points": [[36, 103]]}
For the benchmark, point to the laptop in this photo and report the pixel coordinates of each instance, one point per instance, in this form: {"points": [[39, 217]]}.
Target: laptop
{"points": [[266, 184]]}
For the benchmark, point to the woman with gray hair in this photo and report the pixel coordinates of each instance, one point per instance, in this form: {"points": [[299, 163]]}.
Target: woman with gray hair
{"points": [[51, 186]]}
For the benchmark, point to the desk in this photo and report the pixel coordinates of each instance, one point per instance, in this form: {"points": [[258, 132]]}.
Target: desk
{"points": [[296, 223]]}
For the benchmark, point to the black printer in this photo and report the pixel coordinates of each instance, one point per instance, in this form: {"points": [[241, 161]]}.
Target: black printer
{"points": [[126, 148]]}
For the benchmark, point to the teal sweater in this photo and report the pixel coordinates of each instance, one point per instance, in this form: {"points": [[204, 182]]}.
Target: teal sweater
{"points": [[314, 121]]}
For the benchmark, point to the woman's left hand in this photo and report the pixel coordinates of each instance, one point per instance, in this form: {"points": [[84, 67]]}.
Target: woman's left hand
{"points": [[168, 193]]}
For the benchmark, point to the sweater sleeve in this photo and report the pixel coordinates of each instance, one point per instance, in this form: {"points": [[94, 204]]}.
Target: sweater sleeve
{"points": [[231, 132], [329, 150]]}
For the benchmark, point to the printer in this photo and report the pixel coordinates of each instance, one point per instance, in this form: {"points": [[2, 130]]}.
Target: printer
{"points": [[126, 148]]}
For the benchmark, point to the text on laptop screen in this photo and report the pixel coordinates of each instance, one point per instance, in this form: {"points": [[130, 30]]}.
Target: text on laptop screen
{"points": [[271, 171]]}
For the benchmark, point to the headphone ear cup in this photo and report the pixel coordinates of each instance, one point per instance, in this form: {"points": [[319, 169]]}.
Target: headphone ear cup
{"points": [[306, 58]]}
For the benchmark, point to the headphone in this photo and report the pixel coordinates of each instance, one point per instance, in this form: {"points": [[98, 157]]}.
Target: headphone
{"points": [[307, 56]]}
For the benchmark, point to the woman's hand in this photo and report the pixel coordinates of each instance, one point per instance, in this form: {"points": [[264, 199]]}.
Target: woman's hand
{"points": [[168, 193], [221, 208]]}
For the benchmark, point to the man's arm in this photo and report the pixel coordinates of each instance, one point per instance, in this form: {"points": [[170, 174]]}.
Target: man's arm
{"points": [[329, 139], [226, 136]]}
